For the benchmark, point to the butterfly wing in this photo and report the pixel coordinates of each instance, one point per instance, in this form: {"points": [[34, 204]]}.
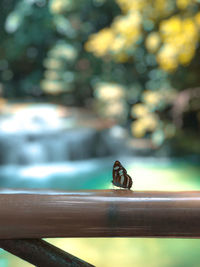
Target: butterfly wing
{"points": [[120, 176], [130, 182], [116, 169]]}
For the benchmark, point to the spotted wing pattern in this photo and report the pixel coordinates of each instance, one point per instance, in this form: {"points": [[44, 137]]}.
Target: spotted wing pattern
{"points": [[120, 176]]}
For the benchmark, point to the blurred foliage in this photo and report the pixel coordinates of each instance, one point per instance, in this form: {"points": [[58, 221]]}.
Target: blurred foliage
{"points": [[160, 39], [171, 37], [128, 59], [42, 47]]}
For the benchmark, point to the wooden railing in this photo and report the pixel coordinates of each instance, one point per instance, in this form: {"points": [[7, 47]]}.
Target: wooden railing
{"points": [[29, 214]]}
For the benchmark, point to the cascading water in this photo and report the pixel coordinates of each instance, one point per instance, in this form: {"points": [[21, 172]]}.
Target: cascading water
{"points": [[38, 152]]}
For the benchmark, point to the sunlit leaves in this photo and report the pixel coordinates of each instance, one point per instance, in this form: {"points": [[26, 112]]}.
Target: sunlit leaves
{"points": [[111, 100], [174, 43], [57, 78]]}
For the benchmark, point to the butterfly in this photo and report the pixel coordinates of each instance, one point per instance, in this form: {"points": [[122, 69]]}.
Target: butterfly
{"points": [[120, 176]]}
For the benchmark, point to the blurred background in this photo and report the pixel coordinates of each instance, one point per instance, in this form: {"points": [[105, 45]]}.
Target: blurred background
{"points": [[83, 83]]}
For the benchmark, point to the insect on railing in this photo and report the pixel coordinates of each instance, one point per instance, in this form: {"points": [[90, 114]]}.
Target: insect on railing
{"points": [[120, 176]]}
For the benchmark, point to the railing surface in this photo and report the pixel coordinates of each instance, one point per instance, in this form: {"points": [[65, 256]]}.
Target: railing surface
{"points": [[99, 213]]}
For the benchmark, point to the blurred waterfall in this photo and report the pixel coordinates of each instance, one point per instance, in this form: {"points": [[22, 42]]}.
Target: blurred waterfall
{"points": [[69, 145], [39, 149], [40, 136]]}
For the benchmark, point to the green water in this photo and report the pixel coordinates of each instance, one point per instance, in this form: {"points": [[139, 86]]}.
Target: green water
{"points": [[128, 252], [150, 175]]}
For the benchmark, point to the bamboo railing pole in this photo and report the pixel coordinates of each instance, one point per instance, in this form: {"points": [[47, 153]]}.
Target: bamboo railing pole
{"points": [[41, 253], [100, 213]]}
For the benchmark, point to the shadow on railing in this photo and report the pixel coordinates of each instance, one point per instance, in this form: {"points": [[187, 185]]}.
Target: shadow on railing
{"points": [[27, 216]]}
